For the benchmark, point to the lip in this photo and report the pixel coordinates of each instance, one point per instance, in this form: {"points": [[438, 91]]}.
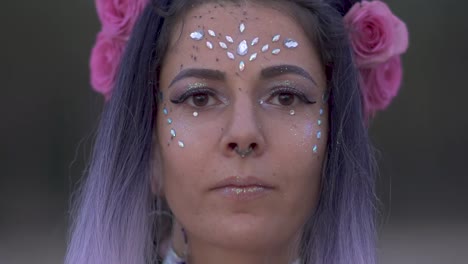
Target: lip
{"points": [[242, 188]]}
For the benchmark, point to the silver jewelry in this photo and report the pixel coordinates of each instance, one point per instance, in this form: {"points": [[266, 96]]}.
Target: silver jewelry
{"points": [[243, 153]]}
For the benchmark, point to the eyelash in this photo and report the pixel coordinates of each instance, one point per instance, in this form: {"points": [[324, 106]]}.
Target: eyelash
{"points": [[193, 92], [281, 90]]}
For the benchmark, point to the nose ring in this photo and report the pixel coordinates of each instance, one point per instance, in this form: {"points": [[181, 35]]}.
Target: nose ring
{"points": [[243, 153]]}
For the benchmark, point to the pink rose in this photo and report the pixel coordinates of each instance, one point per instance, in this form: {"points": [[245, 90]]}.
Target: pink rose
{"points": [[376, 34], [380, 85], [105, 59], [119, 16]]}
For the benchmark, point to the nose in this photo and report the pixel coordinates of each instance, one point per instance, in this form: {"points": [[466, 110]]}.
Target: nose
{"points": [[243, 135]]}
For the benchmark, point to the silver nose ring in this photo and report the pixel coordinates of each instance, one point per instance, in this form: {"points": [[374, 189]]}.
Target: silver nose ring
{"points": [[243, 153]]}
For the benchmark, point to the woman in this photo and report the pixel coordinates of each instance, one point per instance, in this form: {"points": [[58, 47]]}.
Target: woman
{"points": [[235, 132]]}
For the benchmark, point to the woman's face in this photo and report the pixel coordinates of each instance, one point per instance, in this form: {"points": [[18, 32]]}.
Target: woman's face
{"points": [[241, 129]]}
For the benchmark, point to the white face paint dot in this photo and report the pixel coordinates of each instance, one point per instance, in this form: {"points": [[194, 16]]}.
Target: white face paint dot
{"points": [[276, 38], [242, 28], [265, 48], [276, 51], [230, 55], [243, 48], [229, 39], [212, 33], [209, 45], [254, 41], [222, 45], [292, 112], [253, 57], [241, 66], [197, 35], [290, 43], [181, 144], [195, 114]]}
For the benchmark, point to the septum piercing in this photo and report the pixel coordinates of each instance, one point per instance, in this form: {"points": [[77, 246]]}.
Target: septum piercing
{"points": [[243, 153]]}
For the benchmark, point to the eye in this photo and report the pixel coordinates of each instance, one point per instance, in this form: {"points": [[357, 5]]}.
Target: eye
{"points": [[197, 98], [201, 100], [285, 99], [286, 96]]}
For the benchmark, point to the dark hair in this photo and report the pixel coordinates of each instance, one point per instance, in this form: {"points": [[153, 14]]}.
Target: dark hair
{"points": [[116, 219]]}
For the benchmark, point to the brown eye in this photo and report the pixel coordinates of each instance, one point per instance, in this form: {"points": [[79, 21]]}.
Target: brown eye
{"points": [[286, 99], [200, 100]]}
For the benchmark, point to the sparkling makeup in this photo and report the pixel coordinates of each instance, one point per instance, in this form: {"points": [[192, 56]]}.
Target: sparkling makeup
{"points": [[172, 131], [242, 47]]}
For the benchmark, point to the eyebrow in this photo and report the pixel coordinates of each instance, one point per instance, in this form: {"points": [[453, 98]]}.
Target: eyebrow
{"points": [[278, 70], [199, 73]]}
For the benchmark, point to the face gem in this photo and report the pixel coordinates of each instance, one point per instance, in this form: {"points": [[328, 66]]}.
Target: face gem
{"points": [[321, 112], [290, 43], [169, 121], [319, 135], [265, 48], [209, 45], [241, 66], [276, 38], [243, 48], [165, 111], [253, 57], [261, 102], [230, 55], [229, 39], [319, 122], [292, 112], [223, 45], [254, 41], [276, 51], [211, 33], [181, 144], [197, 35], [242, 28], [195, 114], [315, 149], [173, 133]]}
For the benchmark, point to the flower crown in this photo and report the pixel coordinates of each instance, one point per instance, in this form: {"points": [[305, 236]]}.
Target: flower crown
{"points": [[377, 36]]}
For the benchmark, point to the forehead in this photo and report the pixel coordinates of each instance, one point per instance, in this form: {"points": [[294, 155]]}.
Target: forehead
{"points": [[238, 38]]}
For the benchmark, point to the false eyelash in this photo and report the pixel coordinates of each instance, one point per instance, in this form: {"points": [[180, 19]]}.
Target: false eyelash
{"points": [[300, 95], [192, 92]]}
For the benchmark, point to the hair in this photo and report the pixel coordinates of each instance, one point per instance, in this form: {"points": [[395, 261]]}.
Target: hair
{"points": [[115, 217]]}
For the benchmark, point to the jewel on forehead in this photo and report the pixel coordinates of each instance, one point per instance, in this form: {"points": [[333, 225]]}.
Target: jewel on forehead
{"points": [[229, 39], [212, 33], [181, 144], [241, 66], [209, 45], [276, 51], [253, 57], [243, 48], [290, 43], [230, 55], [222, 45], [254, 41], [242, 27], [265, 48], [197, 35], [276, 38]]}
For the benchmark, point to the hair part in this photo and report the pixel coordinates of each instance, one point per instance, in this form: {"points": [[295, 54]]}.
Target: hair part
{"points": [[117, 219]]}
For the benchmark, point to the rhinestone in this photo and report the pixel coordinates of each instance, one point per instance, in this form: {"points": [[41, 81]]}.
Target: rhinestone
{"points": [[197, 35], [319, 122], [253, 57], [319, 135], [243, 48], [254, 41], [315, 149], [195, 114], [209, 45], [276, 38], [169, 121], [222, 45], [241, 66], [229, 39], [290, 43], [321, 111], [276, 51], [242, 28], [212, 33], [292, 112], [173, 133], [230, 55], [165, 111], [265, 48], [181, 144], [261, 102]]}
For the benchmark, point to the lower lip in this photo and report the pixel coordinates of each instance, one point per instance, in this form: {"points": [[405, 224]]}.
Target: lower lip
{"points": [[243, 193]]}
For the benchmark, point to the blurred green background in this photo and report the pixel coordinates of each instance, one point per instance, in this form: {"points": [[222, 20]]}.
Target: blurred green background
{"points": [[49, 115]]}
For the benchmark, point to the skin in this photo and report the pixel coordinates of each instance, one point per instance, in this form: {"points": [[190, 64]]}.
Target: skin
{"points": [[222, 230]]}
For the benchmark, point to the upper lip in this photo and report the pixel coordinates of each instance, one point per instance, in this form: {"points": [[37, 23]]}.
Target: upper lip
{"points": [[241, 182]]}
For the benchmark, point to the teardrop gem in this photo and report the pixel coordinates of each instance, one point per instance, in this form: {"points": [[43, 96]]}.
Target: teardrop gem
{"points": [[290, 43], [197, 35], [243, 48]]}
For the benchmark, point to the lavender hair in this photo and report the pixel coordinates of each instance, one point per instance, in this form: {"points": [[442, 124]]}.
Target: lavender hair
{"points": [[115, 217]]}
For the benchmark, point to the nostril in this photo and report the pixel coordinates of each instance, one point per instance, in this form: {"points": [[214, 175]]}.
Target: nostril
{"points": [[253, 146], [232, 146]]}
